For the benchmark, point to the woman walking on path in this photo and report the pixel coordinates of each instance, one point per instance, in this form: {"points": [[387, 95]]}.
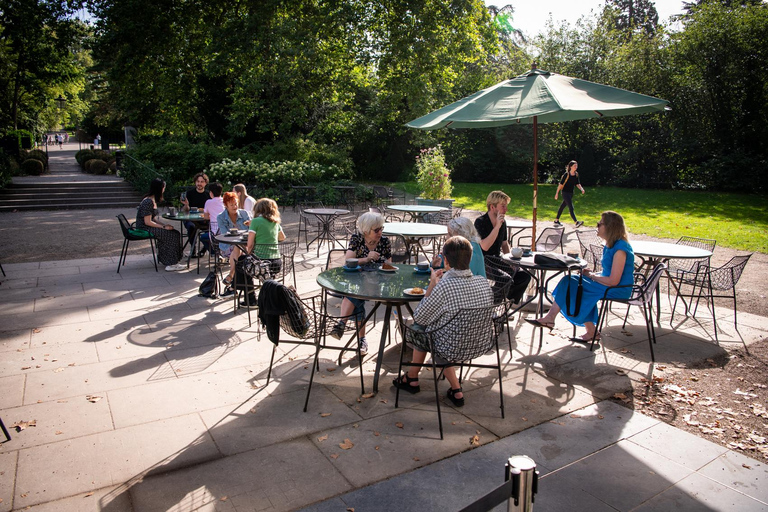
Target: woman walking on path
{"points": [[568, 182], [168, 239]]}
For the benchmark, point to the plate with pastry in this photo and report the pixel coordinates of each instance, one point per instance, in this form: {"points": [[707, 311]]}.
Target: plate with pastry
{"points": [[388, 268], [416, 292]]}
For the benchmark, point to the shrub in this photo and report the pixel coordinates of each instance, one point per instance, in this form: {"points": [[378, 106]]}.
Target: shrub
{"points": [[24, 137], [36, 154], [102, 154], [112, 167], [32, 166], [6, 171], [83, 156], [88, 164], [432, 175], [270, 174], [97, 166]]}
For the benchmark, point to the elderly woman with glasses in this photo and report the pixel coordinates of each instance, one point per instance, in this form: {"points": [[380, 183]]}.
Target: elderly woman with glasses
{"points": [[618, 270], [371, 249]]}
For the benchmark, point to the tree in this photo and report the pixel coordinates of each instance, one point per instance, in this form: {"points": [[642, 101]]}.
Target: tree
{"points": [[635, 15], [38, 48]]}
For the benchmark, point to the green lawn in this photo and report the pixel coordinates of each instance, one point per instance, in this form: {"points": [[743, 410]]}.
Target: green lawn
{"points": [[737, 221]]}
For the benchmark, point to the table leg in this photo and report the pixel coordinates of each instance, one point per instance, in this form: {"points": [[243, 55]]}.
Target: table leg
{"points": [[380, 356]]}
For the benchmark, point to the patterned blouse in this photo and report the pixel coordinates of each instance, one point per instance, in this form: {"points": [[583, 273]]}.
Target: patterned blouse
{"points": [[357, 245]]}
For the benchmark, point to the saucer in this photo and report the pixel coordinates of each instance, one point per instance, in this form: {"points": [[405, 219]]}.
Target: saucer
{"points": [[421, 271], [347, 269]]}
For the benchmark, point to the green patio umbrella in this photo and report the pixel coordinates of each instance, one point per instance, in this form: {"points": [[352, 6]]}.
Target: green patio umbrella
{"points": [[538, 97]]}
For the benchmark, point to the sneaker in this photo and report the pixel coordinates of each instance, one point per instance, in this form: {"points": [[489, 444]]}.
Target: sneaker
{"points": [[363, 347], [579, 224], [176, 267], [337, 331], [558, 223], [228, 291]]}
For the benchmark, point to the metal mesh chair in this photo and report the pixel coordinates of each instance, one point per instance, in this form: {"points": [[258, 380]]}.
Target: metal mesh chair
{"points": [[642, 296], [548, 240], [133, 234], [680, 269], [594, 257], [721, 279], [587, 237], [456, 210], [287, 253], [309, 225], [500, 275], [456, 341], [310, 325]]}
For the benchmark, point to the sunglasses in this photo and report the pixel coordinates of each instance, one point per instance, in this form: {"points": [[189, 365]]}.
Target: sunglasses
{"points": [[378, 230]]}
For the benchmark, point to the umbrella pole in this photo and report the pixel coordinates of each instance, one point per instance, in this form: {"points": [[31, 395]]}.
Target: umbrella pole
{"points": [[535, 178]]}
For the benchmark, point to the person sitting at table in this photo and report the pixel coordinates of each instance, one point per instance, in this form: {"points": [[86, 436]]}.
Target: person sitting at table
{"points": [[168, 239], [449, 291], [462, 226], [245, 201], [371, 249], [265, 229], [213, 207], [492, 228], [231, 218], [195, 198], [618, 270]]}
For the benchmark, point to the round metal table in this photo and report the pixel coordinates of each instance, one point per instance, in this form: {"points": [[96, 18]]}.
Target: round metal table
{"points": [[380, 287], [326, 217], [416, 211], [412, 232]]}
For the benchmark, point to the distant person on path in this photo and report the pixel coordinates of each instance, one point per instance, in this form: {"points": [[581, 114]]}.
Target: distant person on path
{"points": [[568, 182], [618, 270], [245, 201], [168, 239], [195, 198]]}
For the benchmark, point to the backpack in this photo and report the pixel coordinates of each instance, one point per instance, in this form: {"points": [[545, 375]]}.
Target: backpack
{"points": [[208, 286]]}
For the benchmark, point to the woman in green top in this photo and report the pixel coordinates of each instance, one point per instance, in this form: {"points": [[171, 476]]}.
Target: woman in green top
{"points": [[265, 229]]}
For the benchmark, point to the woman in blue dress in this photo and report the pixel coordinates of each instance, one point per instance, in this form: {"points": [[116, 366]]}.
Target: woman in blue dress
{"points": [[618, 270]]}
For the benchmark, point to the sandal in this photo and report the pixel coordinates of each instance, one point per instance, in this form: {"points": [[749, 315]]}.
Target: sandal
{"points": [[227, 281], [406, 386], [579, 339], [537, 323], [458, 402]]}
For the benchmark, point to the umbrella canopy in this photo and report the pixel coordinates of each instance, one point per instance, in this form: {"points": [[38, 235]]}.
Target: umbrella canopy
{"points": [[538, 97]]}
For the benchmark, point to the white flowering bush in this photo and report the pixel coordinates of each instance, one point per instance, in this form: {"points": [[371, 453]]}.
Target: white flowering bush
{"points": [[273, 173], [432, 175]]}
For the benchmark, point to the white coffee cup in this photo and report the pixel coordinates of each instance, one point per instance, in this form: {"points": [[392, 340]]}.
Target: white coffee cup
{"points": [[517, 252]]}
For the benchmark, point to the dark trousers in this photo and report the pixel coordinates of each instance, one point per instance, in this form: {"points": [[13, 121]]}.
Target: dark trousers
{"points": [[567, 201]]}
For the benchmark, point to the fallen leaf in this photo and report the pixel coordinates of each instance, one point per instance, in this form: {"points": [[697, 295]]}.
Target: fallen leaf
{"points": [[375, 447], [21, 425], [26, 367], [35, 330], [524, 418], [620, 396], [746, 467], [377, 434], [330, 369], [223, 498], [600, 417], [367, 395], [87, 495], [346, 445], [93, 398], [59, 432], [324, 414], [57, 370], [355, 425], [322, 438], [399, 424], [334, 456], [384, 401], [474, 440], [350, 509], [416, 459], [619, 371]]}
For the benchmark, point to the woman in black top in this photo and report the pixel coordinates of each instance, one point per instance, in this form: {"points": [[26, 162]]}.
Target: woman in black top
{"points": [[568, 182], [168, 239]]}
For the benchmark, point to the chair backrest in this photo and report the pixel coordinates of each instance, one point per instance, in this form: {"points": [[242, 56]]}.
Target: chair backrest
{"points": [[550, 239], [646, 291], [587, 237], [456, 210], [336, 258], [726, 277], [467, 334], [400, 250], [500, 275], [287, 253], [594, 257], [300, 319], [380, 192], [124, 224], [691, 265]]}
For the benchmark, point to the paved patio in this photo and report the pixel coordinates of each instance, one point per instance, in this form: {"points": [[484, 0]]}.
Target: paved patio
{"points": [[147, 397]]}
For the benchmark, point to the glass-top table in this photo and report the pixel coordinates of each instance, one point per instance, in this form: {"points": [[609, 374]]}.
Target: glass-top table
{"points": [[381, 287]]}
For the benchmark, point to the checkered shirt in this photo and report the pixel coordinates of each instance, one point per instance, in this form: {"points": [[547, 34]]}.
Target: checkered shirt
{"points": [[458, 289]]}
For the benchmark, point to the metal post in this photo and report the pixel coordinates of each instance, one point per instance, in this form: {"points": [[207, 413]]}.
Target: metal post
{"points": [[521, 469]]}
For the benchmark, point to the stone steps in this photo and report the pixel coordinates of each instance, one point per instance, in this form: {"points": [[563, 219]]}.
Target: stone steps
{"points": [[68, 195]]}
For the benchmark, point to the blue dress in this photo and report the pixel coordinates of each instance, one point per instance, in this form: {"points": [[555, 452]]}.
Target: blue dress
{"points": [[592, 291]]}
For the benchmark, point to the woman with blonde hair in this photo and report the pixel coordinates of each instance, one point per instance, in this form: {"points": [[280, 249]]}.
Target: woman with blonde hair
{"points": [[245, 201], [264, 233], [618, 270]]}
